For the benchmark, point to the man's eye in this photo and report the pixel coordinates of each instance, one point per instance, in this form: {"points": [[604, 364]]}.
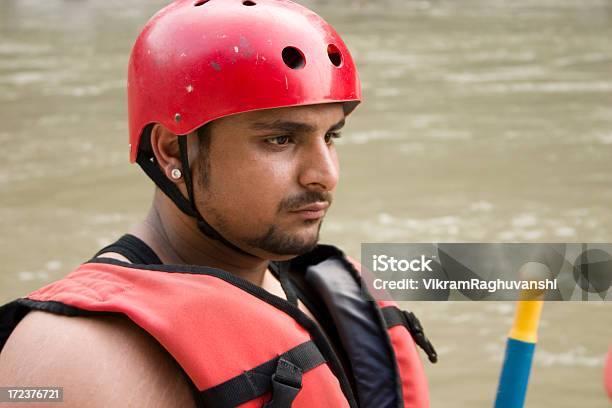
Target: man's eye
{"points": [[278, 140], [330, 136]]}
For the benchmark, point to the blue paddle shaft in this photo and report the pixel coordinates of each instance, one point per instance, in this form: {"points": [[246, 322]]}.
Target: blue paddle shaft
{"points": [[515, 374]]}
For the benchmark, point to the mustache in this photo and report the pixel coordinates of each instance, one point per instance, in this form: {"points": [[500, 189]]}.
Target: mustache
{"points": [[309, 197]]}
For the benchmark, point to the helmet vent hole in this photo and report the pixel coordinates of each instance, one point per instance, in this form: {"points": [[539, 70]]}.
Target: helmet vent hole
{"points": [[334, 54], [248, 3], [293, 58], [199, 3]]}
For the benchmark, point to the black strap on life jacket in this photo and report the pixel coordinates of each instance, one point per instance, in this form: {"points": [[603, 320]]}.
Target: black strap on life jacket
{"points": [[281, 375], [134, 249], [281, 271], [395, 316]]}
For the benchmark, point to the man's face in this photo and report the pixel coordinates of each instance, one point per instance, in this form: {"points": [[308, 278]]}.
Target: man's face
{"points": [[271, 176]]}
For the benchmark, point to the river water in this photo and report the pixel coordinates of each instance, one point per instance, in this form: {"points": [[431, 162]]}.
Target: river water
{"points": [[483, 121]]}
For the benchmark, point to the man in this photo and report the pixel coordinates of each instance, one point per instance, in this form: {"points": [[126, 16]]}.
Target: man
{"points": [[221, 296]]}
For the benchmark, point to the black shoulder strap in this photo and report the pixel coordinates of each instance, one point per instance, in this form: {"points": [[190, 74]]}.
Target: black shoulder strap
{"points": [[281, 271], [134, 249], [395, 317]]}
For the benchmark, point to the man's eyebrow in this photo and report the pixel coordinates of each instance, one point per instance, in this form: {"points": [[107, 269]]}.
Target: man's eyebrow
{"points": [[337, 126], [284, 125], [291, 126]]}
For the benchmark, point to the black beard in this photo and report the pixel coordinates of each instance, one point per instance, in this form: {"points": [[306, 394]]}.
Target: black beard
{"points": [[279, 243]]}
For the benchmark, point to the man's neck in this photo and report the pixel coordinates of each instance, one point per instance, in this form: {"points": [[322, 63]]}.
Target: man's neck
{"points": [[176, 239]]}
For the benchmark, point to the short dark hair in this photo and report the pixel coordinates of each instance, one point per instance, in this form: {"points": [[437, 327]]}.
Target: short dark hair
{"points": [[204, 133]]}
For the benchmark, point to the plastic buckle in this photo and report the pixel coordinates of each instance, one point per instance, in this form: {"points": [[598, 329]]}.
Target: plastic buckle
{"points": [[286, 384], [416, 330]]}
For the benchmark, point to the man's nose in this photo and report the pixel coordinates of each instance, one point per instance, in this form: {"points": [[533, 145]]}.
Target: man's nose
{"points": [[319, 167]]}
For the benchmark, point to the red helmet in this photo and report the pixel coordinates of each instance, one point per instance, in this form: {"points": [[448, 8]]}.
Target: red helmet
{"points": [[197, 61]]}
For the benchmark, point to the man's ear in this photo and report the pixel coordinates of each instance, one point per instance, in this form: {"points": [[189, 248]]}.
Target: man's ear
{"points": [[165, 147]]}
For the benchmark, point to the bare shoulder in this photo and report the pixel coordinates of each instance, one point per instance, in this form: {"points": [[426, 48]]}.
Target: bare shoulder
{"points": [[99, 361]]}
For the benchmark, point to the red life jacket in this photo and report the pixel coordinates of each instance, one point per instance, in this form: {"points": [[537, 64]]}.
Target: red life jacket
{"points": [[241, 345]]}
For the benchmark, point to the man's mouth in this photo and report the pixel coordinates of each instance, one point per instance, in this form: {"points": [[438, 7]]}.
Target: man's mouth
{"points": [[312, 211]]}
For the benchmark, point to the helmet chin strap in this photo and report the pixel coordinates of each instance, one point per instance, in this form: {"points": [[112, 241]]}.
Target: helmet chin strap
{"points": [[203, 225], [186, 205]]}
